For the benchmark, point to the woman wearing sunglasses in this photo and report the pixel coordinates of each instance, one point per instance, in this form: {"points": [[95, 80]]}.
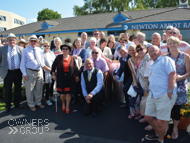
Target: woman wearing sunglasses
{"points": [[22, 43], [49, 57], [66, 77], [142, 76]]}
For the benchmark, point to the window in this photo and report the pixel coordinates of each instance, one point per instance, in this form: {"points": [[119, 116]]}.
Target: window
{"points": [[3, 29], [16, 21], [2, 18], [115, 32], [88, 33]]}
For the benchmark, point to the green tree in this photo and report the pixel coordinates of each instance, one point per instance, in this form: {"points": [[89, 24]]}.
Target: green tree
{"points": [[48, 14], [103, 6]]}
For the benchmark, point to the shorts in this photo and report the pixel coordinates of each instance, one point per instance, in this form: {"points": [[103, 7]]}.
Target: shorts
{"points": [[160, 107]]}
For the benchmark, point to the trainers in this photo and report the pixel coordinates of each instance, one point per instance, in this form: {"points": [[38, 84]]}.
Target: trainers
{"points": [[52, 99], [151, 137], [41, 106], [48, 102]]}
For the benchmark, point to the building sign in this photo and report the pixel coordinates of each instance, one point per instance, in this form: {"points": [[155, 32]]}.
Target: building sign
{"points": [[156, 25]]}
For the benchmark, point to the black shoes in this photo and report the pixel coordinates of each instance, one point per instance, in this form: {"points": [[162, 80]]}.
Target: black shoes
{"points": [[74, 102], [7, 110], [93, 115], [151, 137], [19, 106]]}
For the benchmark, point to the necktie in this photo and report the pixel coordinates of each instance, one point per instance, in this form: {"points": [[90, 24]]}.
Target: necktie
{"points": [[12, 59], [36, 56], [90, 75], [95, 64]]}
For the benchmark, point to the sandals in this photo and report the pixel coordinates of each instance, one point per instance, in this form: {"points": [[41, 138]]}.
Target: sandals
{"points": [[175, 134], [138, 117], [131, 116]]}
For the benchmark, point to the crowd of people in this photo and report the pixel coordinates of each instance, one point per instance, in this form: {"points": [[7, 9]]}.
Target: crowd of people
{"points": [[157, 72]]}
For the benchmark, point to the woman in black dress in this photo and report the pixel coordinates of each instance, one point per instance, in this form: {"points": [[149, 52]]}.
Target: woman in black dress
{"points": [[64, 71]]}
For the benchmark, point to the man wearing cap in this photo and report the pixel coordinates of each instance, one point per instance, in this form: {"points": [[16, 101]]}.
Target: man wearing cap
{"points": [[168, 28], [10, 58], [184, 46], [31, 66]]}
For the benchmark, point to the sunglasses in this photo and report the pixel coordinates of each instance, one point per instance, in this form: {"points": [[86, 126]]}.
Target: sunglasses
{"points": [[140, 49], [65, 49], [46, 46], [94, 52], [172, 32], [22, 43], [96, 33], [33, 41]]}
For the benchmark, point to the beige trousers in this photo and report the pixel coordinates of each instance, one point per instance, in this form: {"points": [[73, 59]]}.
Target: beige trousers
{"points": [[34, 87]]}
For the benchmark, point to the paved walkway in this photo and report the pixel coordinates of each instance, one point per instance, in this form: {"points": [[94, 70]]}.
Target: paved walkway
{"points": [[44, 125]]}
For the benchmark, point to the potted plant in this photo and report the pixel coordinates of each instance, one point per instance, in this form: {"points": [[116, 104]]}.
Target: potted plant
{"points": [[185, 116]]}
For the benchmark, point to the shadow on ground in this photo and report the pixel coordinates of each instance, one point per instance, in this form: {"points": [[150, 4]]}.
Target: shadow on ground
{"points": [[44, 125]]}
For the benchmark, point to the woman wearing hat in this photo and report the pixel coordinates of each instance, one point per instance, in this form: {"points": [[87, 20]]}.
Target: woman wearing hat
{"points": [[22, 43], [66, 77]]}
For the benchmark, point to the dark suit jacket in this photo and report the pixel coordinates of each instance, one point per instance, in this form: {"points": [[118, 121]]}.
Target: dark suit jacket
{"points": [[87, 45], [124, 67], [4, 59]]}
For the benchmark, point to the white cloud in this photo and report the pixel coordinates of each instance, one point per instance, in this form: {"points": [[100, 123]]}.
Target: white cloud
{"points": [[32, 20]]}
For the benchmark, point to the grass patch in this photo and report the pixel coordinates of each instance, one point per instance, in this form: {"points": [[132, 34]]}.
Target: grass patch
{"points": [[2, 106]]}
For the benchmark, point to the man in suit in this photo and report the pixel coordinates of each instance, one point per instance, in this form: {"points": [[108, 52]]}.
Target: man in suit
{"points": [[124, 67], [84, 38], [92, 88], [10, 58]]}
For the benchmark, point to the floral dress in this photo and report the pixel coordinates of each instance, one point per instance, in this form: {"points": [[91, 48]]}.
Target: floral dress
{"points": [[182, 95], [142, 73]]}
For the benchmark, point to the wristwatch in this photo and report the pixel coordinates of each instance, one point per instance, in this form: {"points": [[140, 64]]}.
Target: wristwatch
{"points": [[170, 91]]}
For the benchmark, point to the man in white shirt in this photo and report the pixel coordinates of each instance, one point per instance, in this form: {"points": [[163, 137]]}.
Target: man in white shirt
{"points": [[96, 34], [31, 66]]}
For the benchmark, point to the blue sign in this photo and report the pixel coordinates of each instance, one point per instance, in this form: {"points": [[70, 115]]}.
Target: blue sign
{"points": [[156, 25]]}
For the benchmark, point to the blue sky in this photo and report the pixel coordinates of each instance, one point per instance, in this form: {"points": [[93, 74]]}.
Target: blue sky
{"points": [[29, 8]]}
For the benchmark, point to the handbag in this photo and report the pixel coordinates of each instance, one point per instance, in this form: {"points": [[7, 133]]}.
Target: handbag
{"points": [[131, 90]]}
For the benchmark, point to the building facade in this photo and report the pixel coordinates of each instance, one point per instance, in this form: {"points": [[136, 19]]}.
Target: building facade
{"points": [[147, 21], [9, 20]]}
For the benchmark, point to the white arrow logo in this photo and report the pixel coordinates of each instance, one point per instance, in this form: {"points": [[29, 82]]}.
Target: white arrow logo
{"points": [[12, 130]]}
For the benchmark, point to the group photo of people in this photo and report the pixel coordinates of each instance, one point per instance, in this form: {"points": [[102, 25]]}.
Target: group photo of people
{"points": [[86, 72]]}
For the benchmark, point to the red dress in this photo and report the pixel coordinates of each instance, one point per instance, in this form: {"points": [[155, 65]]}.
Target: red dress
{"points": [[66, 71]]}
